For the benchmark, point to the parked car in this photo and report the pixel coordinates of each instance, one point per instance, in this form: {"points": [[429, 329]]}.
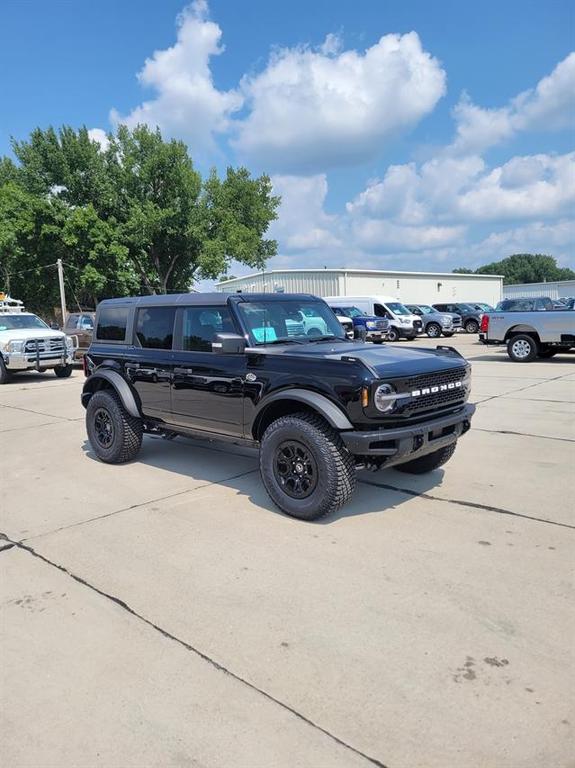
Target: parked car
{"points": [[318, 407], [365, 326], [526, 304], [28, 344], [470, 316], [481, 307], [80, 325], [436, 323], [530, 334], [402, 324]]}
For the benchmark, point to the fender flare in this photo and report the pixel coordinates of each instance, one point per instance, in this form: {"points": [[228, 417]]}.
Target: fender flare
{"points": [[119, 384], [320, 403], [521, 328]]}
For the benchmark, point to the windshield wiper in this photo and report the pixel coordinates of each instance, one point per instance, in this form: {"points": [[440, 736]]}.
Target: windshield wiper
{"points": [[325, 337], [280, 341]]}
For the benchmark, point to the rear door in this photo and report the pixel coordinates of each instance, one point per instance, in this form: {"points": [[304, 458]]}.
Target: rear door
{"points": [[207, 388], [151, 368]]}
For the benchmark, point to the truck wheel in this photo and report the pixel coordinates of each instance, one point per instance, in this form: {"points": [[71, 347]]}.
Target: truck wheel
{"points": [[63, 371], [429, 462], [393, 334], [433, 330], [4, 373], [114, 434], [305, 467], [472, 326], [522, 348]]}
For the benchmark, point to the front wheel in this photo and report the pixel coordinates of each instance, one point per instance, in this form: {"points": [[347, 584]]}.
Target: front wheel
{"points": [[114, 434], [63, 371], [429, 462], [4, 373], [393, 334], [305, 467], [522, 348], [433, 330]]}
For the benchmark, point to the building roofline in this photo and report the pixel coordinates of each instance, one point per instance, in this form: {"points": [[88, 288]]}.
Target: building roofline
{"points": [[342, 271]]}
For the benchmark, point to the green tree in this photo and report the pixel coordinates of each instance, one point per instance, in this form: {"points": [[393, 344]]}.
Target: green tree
{"points": [[137, 215], [524, 268]]}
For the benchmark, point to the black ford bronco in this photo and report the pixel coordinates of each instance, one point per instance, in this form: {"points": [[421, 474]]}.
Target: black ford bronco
{"points": [[244, 369]]}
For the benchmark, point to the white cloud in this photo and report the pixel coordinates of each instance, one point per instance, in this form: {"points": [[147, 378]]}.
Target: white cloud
{"points": [[187, 104], [303, 224], [313, 109], [100, 136], [548, 106], [384, 236]]}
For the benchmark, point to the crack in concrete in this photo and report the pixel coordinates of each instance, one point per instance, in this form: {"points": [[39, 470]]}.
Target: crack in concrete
{"points": [[522, 389], [40, 413], [523, 434], [471, 504], [140, 504], [192, 649]]}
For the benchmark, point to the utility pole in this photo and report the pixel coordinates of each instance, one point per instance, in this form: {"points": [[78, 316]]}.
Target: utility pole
{"points": [[62, 292]]}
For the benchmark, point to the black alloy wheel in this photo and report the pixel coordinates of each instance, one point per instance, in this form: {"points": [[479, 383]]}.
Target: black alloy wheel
{"points": [[103, 428], [295, 469]]}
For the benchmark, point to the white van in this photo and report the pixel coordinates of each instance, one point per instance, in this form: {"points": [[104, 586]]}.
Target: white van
{"points": [[402, 323]]}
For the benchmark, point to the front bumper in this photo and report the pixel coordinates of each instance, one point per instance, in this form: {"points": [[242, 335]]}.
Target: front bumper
{"points": [[396, 446], [25, 361]]}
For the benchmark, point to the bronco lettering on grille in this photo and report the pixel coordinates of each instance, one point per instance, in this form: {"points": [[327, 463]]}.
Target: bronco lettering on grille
{"points": [[438, 388]]}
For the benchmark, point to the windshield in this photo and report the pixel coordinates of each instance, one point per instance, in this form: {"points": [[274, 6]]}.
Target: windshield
{"points": [[426, 309], [298, 320], [20, 322], [398, 309], [352, 312]]}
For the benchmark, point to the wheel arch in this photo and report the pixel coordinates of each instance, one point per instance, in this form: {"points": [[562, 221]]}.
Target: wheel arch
{"points": [[522, 328], [294, 400], [112, 380]]}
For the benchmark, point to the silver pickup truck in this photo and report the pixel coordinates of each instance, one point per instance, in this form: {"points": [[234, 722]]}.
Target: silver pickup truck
{"points": [[529, 335]]}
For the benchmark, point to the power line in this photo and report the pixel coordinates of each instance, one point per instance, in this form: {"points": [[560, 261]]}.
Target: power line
{"points": [[32, 269]]}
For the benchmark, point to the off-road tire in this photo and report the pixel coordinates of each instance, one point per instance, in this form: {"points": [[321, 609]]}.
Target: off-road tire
{"points": [[393, 334], [4, 373], [127, 430], [63, 371], [522, 348], [429, 462], [335, 465], [433, 330], [471, 326]]}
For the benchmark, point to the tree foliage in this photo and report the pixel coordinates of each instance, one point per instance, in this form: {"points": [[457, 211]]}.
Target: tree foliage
{"points": [[524, 268], [135, 216]]}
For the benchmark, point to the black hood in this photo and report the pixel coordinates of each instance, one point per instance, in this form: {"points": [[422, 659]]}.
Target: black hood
{"points": [[383, 360]]}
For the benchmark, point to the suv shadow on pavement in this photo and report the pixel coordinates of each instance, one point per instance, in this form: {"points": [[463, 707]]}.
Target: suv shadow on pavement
{"points": [[367, 499]]}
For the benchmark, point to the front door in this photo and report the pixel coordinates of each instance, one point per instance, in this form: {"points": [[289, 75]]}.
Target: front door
{"points": [[150, 369], [207, 388]]}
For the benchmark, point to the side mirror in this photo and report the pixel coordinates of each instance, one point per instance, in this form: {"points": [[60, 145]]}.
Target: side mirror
{"points": [[229, 344]]}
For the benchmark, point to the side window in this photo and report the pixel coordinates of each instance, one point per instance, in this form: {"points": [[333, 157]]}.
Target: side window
{"points": [[381, 311], [201, 324], [440, 307], [85, 323], [155, 327], [112, 323]]}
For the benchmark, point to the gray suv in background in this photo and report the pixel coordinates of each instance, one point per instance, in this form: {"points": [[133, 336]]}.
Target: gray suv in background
{"points": [[470, 317], [436, 323]]}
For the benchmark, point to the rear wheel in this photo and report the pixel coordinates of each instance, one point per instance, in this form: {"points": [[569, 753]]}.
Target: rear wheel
{"points": [[4, 373], [472, 326], [522, 348], [63, 371], [114, 434], [433, 330], [305, 467], [429, 462]]}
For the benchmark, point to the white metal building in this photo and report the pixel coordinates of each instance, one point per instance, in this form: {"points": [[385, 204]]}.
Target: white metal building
{"points": [[410, 287], [562, 289]]}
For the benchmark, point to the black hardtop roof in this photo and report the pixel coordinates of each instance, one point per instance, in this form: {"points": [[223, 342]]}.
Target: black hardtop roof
{"points": [[200, 299]]}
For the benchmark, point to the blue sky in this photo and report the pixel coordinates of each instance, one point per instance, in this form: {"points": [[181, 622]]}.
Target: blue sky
{"points": [[400, 134]]}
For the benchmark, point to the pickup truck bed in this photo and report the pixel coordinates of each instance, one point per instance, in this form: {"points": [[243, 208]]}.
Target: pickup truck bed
{"points": [[530, 335]]}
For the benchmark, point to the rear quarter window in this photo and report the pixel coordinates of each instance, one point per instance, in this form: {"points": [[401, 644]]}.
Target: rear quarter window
{"points": [[112, 324]]}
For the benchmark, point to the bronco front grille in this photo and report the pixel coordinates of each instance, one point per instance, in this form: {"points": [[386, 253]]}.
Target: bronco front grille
{"points": [[431, 391]]}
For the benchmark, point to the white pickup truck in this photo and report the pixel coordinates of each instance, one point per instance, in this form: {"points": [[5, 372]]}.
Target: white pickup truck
{"points": [[530, 335], [27, 343]]}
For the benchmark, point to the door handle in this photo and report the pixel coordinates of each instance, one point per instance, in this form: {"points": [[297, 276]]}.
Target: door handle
{"points": [[183, 370]]}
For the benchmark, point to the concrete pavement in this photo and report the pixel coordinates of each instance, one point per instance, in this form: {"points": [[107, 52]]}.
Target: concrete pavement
{"points": [[163, 613]]}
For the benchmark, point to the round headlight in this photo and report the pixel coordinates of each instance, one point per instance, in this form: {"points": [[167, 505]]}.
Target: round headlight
{"points": [[385, 398]]}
